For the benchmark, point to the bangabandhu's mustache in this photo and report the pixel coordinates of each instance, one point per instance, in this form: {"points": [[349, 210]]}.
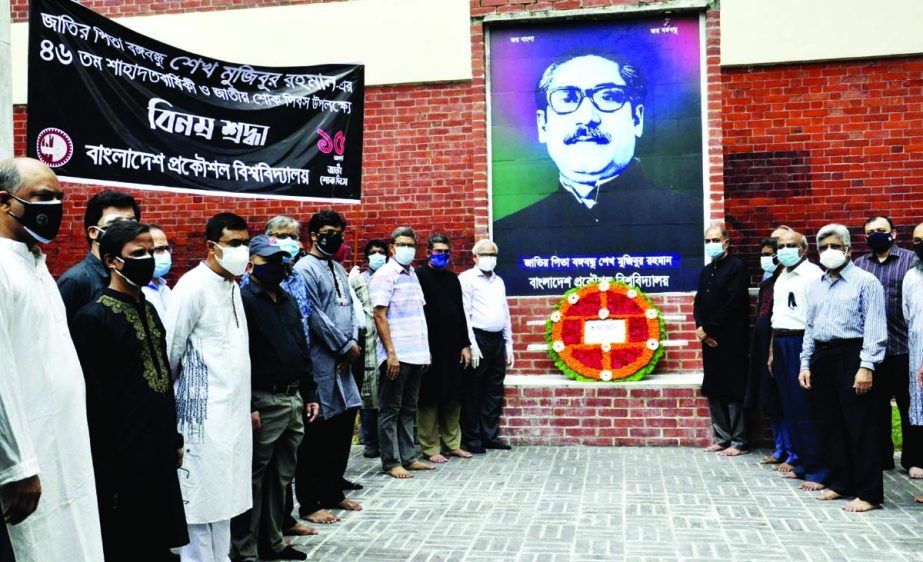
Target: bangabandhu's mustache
{"points": [[590, 133]]}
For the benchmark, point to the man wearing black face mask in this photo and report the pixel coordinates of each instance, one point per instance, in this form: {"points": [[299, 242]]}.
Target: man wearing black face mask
{"points": [[131, 409], [282, 384], [890, 263], [46, 476]]}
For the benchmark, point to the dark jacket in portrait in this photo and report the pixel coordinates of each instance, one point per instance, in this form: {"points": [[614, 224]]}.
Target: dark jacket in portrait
{"points": [[82, 284], [761, 389], [131, 412], [721, 308], [631, 215], [448, 335]]}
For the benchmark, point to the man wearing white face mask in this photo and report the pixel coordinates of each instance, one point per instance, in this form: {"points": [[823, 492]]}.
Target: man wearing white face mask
{"points": [[491, 335], [157, 292], [208, 350], [721, 312], [845, 338]]}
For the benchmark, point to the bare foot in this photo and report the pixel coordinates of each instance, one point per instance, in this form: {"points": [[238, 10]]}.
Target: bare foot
{"points": [[438, 459], [859, 506], [771, 459], [299, 530], [809, 486], [733, 452], [349, 505], [828, 495], [785, 467], [419, 465], [460, 453], [790, 476], [918, 499], [915, 472], [322, 516], [714, 447], [398, 472]]}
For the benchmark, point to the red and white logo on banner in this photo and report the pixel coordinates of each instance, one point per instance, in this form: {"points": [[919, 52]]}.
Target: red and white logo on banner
{"points": [[54, 147]]}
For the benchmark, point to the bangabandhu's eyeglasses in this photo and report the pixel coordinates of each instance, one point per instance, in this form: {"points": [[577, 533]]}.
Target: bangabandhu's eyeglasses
{"points": [[606, 98]]}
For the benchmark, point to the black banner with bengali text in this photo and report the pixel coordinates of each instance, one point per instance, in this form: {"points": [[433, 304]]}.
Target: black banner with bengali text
{"points": [[110, 106]]}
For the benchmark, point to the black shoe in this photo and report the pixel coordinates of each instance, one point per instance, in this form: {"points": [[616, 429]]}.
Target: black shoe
{"points": [[475, 449], [287, 553], [497, 445], [347, 485], [371, 453]]}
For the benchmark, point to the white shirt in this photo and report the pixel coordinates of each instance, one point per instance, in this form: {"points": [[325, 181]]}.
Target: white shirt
{"points": [[43, 416], [158, 294], [912, 302], [209, 353], [484, 300], [790, 296]]}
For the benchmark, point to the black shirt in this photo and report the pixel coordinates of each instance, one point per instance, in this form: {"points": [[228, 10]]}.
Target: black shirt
{"points": [[82, 283], [278, 347]]}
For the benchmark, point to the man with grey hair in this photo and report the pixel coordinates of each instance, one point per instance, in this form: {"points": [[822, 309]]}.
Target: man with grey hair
{"points": [[44, 437], [403, 354], [491, 336], [844, 340]]}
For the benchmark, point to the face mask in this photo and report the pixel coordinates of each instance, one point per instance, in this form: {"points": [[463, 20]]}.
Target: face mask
{"points": [[329, 242], [376, 261], [233, 260], [289, 246], [918, 249], [270, 274], [768, 263], [137, 271], [162, 264], [833, 259], [789, 256], [880, 241], [439, 260], [714, 250], [487, 263], [41, 219], [404, 256]]}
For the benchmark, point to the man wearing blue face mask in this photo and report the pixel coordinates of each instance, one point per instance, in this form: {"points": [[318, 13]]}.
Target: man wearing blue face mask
{"points": [[441, 391], [721, 311], [889, 263], [157, 292], [789, 314]]}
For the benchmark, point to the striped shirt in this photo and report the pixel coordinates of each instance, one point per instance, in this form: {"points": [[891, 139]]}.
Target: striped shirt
{"points": [[399, 290], [851, 306], [891, 274]]}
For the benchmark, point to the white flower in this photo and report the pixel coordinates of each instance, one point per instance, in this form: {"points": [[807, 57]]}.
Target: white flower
{"points": [[558, 346], [603, 286], [573, 298], [631, 293], [555, 316], [606, 346], [605, 375], [653, 344], [651, 313], [603, 313]]}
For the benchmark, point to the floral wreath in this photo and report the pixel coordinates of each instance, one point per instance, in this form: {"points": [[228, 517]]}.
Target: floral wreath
{"points": [[603, 359]]}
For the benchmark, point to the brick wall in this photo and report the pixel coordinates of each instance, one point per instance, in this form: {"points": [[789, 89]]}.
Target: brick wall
{"points": [[425, 164], [808, 144]]}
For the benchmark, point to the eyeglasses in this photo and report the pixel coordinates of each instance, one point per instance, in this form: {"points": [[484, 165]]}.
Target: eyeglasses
{"points": [[826, 247], [487, 255], [285, 235], [790, 245], [606, 98], [404, 245], [161, 250], [713, 240]]}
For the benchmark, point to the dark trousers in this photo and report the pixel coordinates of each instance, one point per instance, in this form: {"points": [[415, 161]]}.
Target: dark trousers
{"points": [[322, 459], [727, 422], [892, 377], [6, 547], [397, 415], [797, 411], [482, 402], [368, 424], [848, 422]]}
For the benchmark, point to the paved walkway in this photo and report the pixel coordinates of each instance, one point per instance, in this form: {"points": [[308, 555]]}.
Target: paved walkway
{"points": [[556, 504]]}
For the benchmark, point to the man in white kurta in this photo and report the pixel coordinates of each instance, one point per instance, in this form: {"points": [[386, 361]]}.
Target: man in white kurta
{"points": [[43, 424], [208, 350]]}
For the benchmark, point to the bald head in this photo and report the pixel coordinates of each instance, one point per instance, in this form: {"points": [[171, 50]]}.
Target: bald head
{"points": [[918, 234], [779, 230], [789, 237], [24, 181], [16, 173]]}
